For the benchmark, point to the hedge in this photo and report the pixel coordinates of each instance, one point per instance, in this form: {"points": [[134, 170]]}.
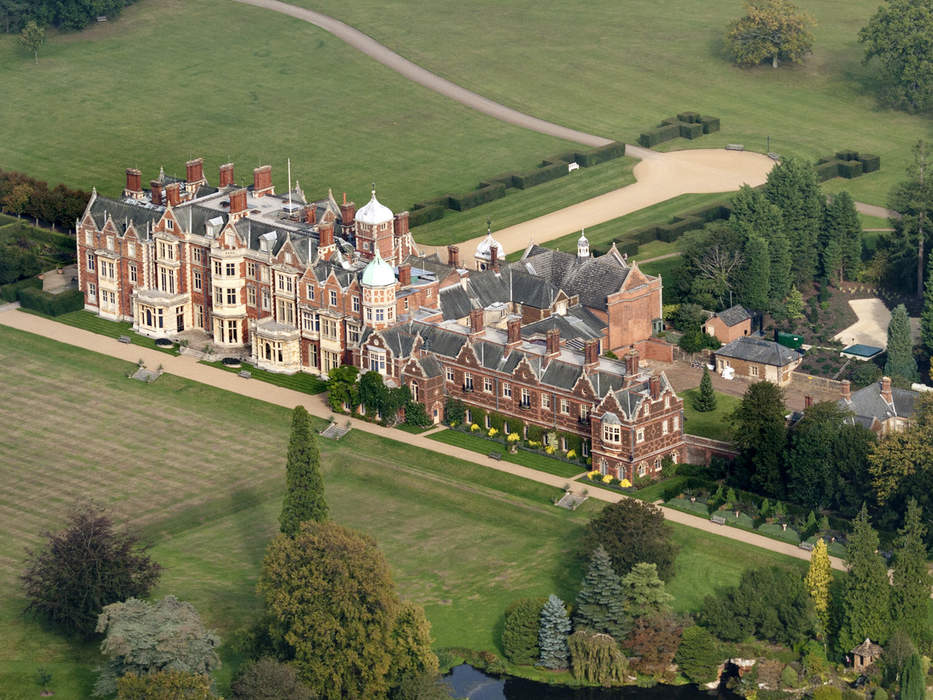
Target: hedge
{"points": [[468, 200], [689, 117], [870, 163], [710, 124], [849, 168], [537, 176], [50, 304], [846, 155], [674, 230], [828, 170], [600, 155], [659, 135], [8, 292], [417, 217], [689, 130]]}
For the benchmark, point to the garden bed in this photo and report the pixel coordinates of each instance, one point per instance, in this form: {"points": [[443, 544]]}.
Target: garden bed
{"points": [[523, 457], [300, 381]]}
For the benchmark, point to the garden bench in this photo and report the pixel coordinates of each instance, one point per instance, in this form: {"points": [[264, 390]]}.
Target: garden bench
{"points": [[735, 147], [806, 545], [245, 373], [124, 339], [774, 156], [495, 455], [718, 520]]}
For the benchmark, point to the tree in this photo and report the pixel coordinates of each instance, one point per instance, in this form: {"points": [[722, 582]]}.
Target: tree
{"points": [[896, 35], [595, 659], [926, 316], [411, 646], [372, 393], [304, 486], [755, 278], [759, 433], [817, 580], [520, 633], [781, 263], [142, 637], [342, 388], [653, 642], [83, 568], [332, 607], [913, 685], [423, 687], [165, 685], [268, 679], [833, 262], [794, 306], [32, 37], [644, 592], [793, 187], [900, 362], [601, 601], [632, 532], [705, 401], [698, 655], [771, 29], [911, 580], [865, 606], [841, 224], [552, 636], [913, 200]]}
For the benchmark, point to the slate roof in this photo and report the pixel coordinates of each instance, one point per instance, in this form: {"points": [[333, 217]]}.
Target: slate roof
{"points": [[765, 352], [578, 323], [734, 315], [867, 404], [124, 212], [590, 279], [483, 289], [631, 398]]}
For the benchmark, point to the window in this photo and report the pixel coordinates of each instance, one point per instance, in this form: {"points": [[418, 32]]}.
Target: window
{"points": [[546, 401], [667, 401], [231, 296], [131, 250], [160, 318], [377, 361], [450, 374], [169, 224], [640, 435], [199, 316], [642, 468], [487, 385], [353, 334], [197, 280], [90, 262], [330, 328], [584, 412], [333, 298], [312, 355], [196, 255], [676, 423], [133, 274], [231, 269], [88, 238], [414, 391], [507, 389], [265, 299], [218, 296], [167, 280], [753, 370], [356, 304], [380, 314], [91, 292], [264, 273], [218, 268], [565, 406], [664, 428], [251, 295], [233, 330], [468, 381], [369, 314], [405, 301], [526, 397], [286, 312], [310, 291], [251, 269]]}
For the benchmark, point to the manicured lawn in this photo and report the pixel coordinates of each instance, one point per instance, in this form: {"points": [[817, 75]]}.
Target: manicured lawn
{"points": [[713, 424], [112, 329], [281, 89], [479, 444], [300, 381], [665, 268], [520, 205], [617, 69]]}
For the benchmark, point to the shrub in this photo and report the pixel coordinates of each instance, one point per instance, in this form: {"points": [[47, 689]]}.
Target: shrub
{"points": [[50, 304], [268, 679], [8, 291], [536, 177], [789, 677], [659, 135], [520, 633], [699, 655], [632, 532], [600, 155], [595, 659], [163, 685], [710, 124], [689, 117], [828, 170], [870, 163], [846, 155], [850, 168], [690, 130], [827, 692], [468, 200], [424, 215]]}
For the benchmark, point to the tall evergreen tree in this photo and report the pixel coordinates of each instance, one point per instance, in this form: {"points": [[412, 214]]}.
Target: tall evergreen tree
{"points": [[644, 591], [793, 187], [812, 471], [819, 576], [866, 592], [913, 200], [912, 582], [833, 261], [793, 307], [601, 601], [900, 362], [705, 400], [841, 224], [781, 277], [553, 633], [913, 685], [304, 486], [926, 316], [755, 278], [760, 435]]}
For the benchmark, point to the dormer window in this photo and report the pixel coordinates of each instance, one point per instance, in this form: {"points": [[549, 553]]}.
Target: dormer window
{"points": [[612, 432], [169, 225]]}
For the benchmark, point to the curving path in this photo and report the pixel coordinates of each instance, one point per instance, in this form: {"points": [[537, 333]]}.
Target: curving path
{"points": [[416, 73]]}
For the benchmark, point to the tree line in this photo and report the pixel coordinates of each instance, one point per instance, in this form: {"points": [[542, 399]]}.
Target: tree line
{"points": [[67, 15], [26, 196]]}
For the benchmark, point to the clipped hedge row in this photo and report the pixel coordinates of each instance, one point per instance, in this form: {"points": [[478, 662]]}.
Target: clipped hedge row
{"points": [[468, 200], [847, 164], [675, 228], [605, 153], [538, 175], [50, 304], [688, 125], [424, 215], [8, 292]]}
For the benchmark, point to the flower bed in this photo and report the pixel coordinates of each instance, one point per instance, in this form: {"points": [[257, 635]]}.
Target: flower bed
{"points": [[777, 532], [688, 506]]}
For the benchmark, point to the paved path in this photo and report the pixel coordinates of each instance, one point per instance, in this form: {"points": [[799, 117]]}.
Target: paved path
{"points": [[879, 212], [416, 73], [189, 368]]}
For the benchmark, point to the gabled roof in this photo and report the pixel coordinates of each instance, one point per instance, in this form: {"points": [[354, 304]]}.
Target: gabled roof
{"points": [[868, 403], [765, 352], [734, 315], [123, 212], [590, 279]]}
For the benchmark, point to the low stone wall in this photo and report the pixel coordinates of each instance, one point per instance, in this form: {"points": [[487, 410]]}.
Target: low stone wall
{"points": [[700, 449], [803, 381]]}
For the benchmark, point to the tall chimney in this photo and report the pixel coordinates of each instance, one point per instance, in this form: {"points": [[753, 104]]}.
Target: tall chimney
{"points": [[453, 256], [195, 170], [654, 386], [133, 180], [476, 321], [310, 214], [494, 258], [404, 275], [846, 389], [514, 328], [156, 192], [347, 211], [591, 352], [886, 390], [262, 181], [226, 175], [401, 223], [172, 193], [631, 363], [552, 342], [238, 203]]}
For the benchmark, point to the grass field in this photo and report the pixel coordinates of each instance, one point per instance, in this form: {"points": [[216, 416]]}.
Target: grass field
{"points": [[616, 69], [481, 445], [712, 424]]}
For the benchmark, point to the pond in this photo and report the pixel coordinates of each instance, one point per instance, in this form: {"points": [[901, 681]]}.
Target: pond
{"points": [[467, 682]]}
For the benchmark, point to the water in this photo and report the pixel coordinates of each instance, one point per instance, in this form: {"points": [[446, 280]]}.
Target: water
{"points": [[467, 682]]}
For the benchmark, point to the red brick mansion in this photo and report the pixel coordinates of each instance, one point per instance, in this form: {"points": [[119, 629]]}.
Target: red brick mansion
{"points": [[306, 286]]}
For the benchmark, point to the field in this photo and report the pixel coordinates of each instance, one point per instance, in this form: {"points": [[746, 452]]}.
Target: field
{"points": [[170, 458], [617, 69]]}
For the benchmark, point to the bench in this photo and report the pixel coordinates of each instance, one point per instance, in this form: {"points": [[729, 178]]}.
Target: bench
{"points": [[495, 455], [718, 520], [774, 156], [735, 147], [245, 373], [806, 545], [124, 339]]}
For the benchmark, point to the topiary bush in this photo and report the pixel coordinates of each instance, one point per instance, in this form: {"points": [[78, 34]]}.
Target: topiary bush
{"points": [[789, 677]]}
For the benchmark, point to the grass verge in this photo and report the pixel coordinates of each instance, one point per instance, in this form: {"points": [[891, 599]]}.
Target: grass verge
{"points": [[300, 381], [481, 445], [112, 329]]}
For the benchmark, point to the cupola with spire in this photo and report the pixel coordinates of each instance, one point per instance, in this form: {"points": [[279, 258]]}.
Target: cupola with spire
{"points": [[374, 224], [583, 245], [378, 281], [489, 252]]}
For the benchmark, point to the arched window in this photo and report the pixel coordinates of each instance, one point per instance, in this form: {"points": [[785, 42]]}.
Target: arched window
{"points": [[602, 465], [642, 468]]}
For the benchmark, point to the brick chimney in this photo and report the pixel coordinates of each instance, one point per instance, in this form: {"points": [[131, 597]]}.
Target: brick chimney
{"points": [[476, 321], [654, 386], [846, 390], [155, 188], [807, 401], [514, 328], [552, 342], [173, 193], [886, 390], [238, 204], [326, 234], [494, 258], [404, 275], [310, 214], [195, 170], [226, 175], [631, 363], [133, 180], [400, 222], [591, 353], [347, 211], [453, 256], [262, 181]]}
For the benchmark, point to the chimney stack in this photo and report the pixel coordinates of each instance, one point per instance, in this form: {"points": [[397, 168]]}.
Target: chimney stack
{"points": [[514, 328], [238, 203], [400, 222], [886, 394], [310, 214], [226, 175], [807, 401], [156, 192], [133, 180], [347, 212], [631, 363], [494, 258], [173, 194], [591, 352], [846, 390], [262, 181], [476, 321], [195, 170], [552, 342], [654, 386], [453, 256], [404, 275], [326, 234]]}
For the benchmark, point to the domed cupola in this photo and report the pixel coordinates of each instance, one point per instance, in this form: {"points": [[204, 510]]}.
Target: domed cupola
{"points": [[378, 280], [583, 246], [378, 273], [374, 212], [489, 252]]}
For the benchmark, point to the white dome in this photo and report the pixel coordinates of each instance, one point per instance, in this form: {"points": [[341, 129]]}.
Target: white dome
{"points": [[374, 212], [485, 245], [583, 238], [378, 273]]}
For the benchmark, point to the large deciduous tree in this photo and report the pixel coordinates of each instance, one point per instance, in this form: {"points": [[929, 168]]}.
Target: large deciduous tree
{"points": [[898, 35], [553, 631], [818, 579], [653, 642], [911, 580], [900, 363], [773, 30], [866, 592], [632, 532], [304, 485], [84, 567], [793, 187], [760, 434], [601, 602]]}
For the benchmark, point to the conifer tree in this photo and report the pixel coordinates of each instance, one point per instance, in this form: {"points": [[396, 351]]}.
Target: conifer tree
{"points": [[912, 581], [781, 277], [644, 591], [913, 685], [304, 486], [818, 578], [926, 316], [832, 260], [793, 187], [553, 633], [755, 278], [900, 362], [705, 401], [866, 593], [793, 308], [601, 601], [841, 223]]}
